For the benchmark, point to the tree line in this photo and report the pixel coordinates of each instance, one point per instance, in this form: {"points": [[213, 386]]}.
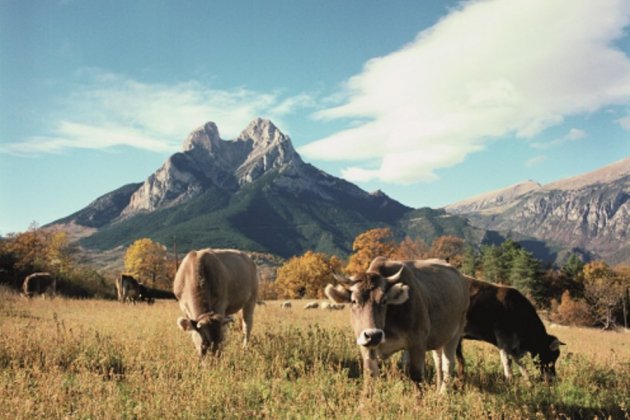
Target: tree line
{"points": [[589, 294]]}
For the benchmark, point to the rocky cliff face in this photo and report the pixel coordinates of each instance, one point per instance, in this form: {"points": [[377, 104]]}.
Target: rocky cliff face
{"points": [[591, 212], [254, 190], [207, 160]]}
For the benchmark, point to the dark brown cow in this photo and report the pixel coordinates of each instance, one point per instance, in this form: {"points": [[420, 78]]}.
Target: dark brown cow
{"points": [[210, 285], [128, 288], [502, 316], [406, 305], [39, 283]]}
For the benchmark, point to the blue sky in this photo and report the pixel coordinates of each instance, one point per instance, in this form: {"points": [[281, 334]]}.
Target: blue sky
{"points": [[431, 102]]}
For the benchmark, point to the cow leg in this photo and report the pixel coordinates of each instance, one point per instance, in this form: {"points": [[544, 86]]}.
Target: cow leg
{"points": [[461, 362], [248, 321], [437, 361], [416, 364], [507, 364], [448, 362]]}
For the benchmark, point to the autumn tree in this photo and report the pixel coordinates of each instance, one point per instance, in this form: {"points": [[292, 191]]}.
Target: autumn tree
{"points": [[604, 290], [410, 249], [449, 248], [147, 260], [306, 276], [37, 249], [571, 311], [369, 245]]}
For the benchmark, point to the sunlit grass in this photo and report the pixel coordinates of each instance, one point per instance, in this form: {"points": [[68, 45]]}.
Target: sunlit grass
{"points": [[100, 359]]}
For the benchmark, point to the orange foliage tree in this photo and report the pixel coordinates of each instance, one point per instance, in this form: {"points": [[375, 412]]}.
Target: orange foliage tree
{"points": [[307, 275], [604, 290], [369, 245], [410, 249], [39, 250], [449, 248], [147, 260]]}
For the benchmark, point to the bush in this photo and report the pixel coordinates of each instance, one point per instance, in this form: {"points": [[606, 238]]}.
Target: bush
{"points": [[571, 311]]}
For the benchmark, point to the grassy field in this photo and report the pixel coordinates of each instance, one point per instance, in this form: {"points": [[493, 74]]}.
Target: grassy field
{"points": [[62, 358]]}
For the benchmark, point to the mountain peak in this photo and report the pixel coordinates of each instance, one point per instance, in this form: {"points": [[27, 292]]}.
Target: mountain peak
{"points": [[262, 133], [206, 137]]}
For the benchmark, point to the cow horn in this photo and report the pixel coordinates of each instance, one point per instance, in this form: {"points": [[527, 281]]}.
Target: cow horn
{"points": [[396, 277], [204, 318], [343, 279], [555, 344]]}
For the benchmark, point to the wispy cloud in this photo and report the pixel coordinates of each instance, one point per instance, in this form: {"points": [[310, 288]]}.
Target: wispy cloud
{"points": [[535, 161], [109, 110], [625, 122], [488, 69], [573, 135]]}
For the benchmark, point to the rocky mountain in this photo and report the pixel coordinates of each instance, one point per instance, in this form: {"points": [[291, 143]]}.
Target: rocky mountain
{"points": [[253, 192], [588, 213]]}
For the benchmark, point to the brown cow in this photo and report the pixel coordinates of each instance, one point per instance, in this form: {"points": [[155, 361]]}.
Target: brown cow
{"points": [[209, 285], [502, 316], [406, 305], [128, 288], [39, 283]]}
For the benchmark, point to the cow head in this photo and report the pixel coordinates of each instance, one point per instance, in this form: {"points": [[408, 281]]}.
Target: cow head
{"points": [[549, 353], [369, 294], [206, 331]]}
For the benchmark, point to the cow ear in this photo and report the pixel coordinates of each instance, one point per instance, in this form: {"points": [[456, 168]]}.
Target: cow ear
{"points": [[555, 344], [397, 294], [337, 294], [185, 324]]}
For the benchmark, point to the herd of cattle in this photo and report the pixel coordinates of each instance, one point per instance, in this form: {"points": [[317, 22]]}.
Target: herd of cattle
{"points": [[410, 306]]}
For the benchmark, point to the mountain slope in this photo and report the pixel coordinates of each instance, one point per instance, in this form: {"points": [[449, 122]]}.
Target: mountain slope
{"points": [[253, 193], [590, 212]]}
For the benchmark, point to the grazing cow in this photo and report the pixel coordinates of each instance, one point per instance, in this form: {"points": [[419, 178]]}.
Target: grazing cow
{"points": [[39, 283], [312, 305], [502, 316], [145, 294], [406, 305], [128, 288], [210, 285], [285, 305]]}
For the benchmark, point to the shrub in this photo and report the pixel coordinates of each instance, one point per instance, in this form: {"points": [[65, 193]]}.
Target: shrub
{"points": [[571, 311]]}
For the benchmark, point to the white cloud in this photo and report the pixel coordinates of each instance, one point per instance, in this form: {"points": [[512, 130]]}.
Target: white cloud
{"points": [[625, 122], [573, 135], [109, 110], [535, 161], [488, 69]]}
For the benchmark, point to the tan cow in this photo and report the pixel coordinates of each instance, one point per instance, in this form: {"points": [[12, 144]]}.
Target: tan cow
{"points": [[39, 283], [406, 305], [210, 285]]}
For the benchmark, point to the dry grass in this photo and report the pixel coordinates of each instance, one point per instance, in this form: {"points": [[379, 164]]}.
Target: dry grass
{"points": [[65, 358]]}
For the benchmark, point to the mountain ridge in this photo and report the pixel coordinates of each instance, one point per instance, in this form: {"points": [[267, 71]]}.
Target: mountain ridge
{"points": [[253, 191], [590, 212]]}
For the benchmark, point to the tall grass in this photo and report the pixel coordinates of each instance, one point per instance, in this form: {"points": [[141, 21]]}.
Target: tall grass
{"points": [[62, 358]]}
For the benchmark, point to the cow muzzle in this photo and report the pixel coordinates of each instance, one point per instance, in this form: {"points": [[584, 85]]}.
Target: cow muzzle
{"points": [[371, 337]]}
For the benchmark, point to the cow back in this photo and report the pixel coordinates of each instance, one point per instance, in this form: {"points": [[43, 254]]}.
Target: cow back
{"points": [[222, 281]]}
